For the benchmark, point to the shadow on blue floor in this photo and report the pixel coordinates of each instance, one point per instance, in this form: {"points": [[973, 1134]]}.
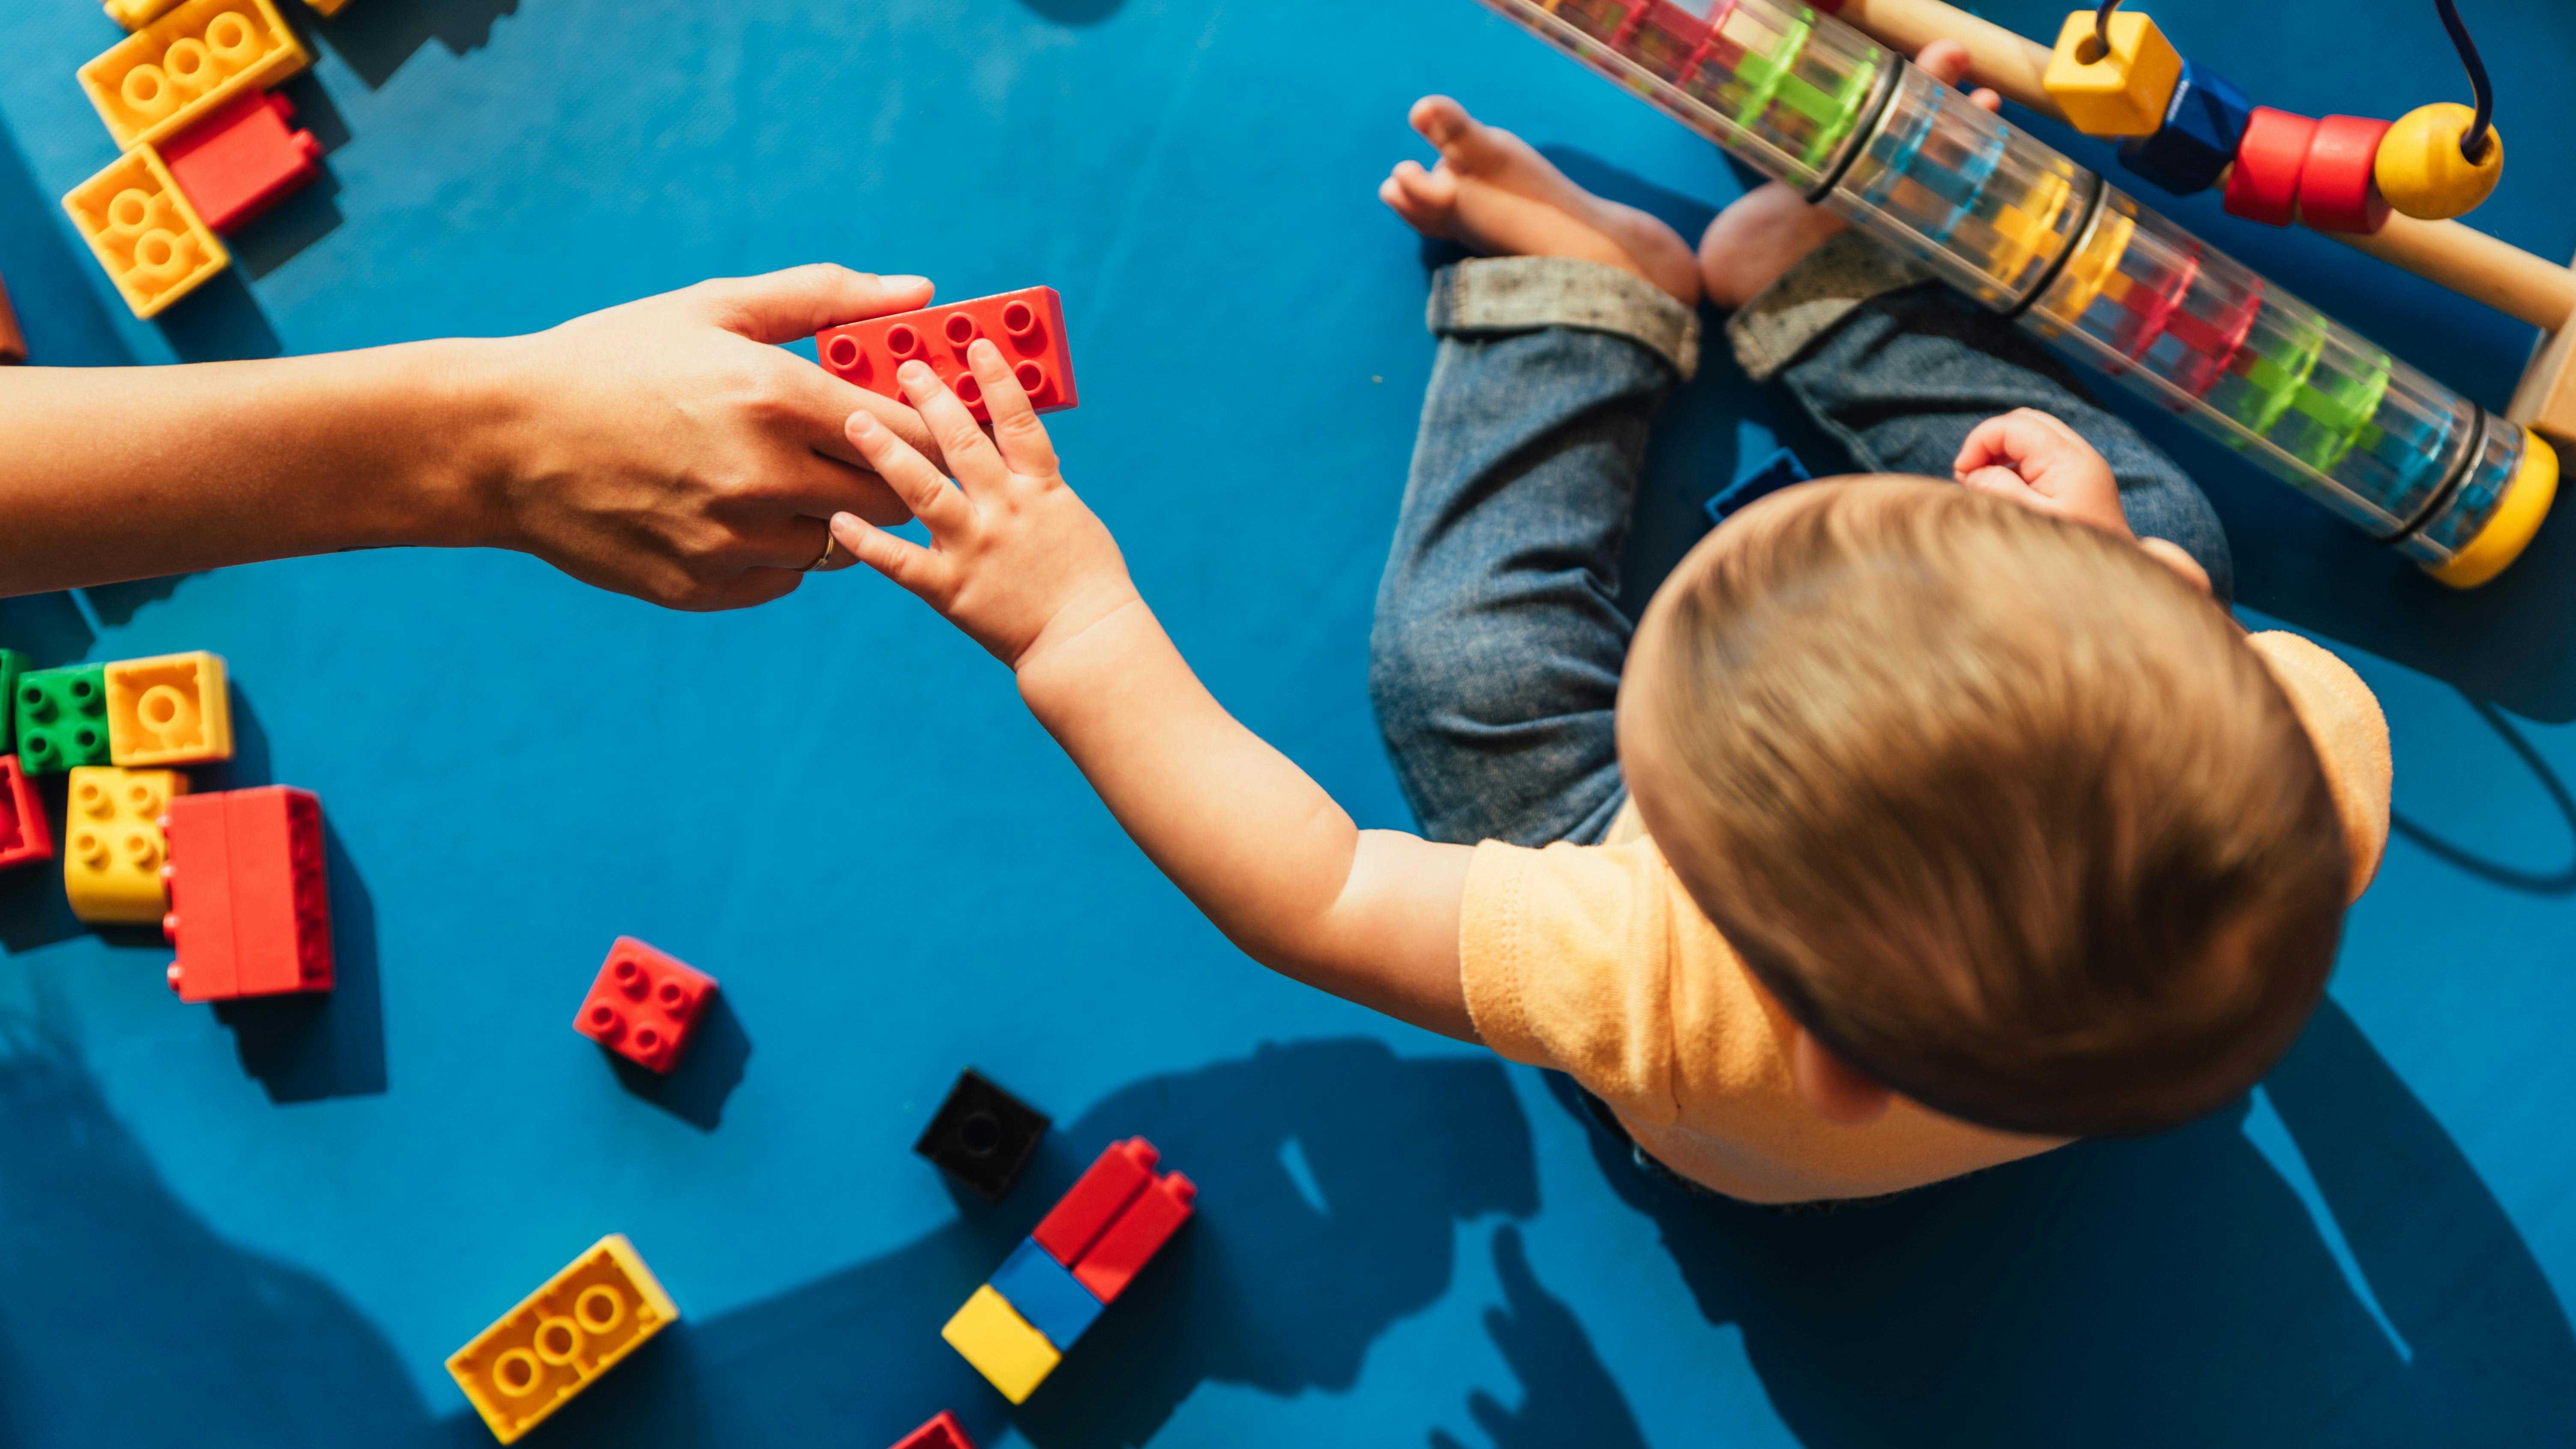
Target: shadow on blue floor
{"points": [[143, 1328], [2169, 1290]]}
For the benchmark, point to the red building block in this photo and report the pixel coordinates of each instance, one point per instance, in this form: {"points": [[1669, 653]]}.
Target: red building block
{"points": [[2338, 187], [250, 904], [24, 836], [2264, 186], [939, 1433], [644, 1004], [1028, 326], [1140, 1232], [1094, 1202], [242, 160]]}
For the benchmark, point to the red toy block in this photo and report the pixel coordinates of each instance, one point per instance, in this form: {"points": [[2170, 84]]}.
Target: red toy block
{"points": [[242, 160], [939, 1433], [644, 1004], [24, 836], [1027, 325], [2264, 186], [1140, 1232], [250, 904], [2338, 188], [1094, 1202]]}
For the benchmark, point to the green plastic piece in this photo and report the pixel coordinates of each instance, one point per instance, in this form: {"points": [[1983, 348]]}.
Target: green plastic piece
{"points": [[2278, 381], [1847, 103], [62, 719], [1767, 72], [12, 664], [2345, 411]]}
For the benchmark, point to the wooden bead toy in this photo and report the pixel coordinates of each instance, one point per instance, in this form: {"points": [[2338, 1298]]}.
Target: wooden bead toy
{"points": [[2420, 167]]}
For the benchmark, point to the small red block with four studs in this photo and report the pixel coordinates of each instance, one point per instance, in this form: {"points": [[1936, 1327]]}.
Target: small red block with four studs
{"points": [[644, 1004]]}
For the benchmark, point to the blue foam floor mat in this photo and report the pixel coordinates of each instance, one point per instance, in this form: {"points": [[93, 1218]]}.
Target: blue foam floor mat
{"points": [[269, 1225]]}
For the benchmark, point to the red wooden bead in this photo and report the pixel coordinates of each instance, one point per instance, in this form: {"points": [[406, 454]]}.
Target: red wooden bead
{"points": [[2264, 186], [2336, 189]]}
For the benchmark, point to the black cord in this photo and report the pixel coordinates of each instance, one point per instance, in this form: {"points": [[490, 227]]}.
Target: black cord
{"points": [[2102, 27], [2473, 141]]}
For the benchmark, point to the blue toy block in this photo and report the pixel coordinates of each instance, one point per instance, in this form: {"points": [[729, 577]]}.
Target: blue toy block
{"points": [[1774, 473], [1046, 1294], [2203, 125]]}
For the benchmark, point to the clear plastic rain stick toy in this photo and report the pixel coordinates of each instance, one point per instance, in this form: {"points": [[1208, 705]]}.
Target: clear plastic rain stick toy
{"points": [[2010, 221]]}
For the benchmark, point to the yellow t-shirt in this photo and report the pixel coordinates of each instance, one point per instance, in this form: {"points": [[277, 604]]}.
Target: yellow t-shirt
{"points": [[1594, 961]]}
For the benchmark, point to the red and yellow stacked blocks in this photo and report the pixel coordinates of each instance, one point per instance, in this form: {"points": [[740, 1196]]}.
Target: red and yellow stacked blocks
{"points": [[562, 1337], [235, 878], [1082, 1255], [187, 98], [2187, 129]]}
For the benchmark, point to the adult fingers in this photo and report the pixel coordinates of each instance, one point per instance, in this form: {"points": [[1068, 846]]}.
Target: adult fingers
{"points": [[815, 407], [971, 458], [814, 487], [1016, 429], [943, 509], [915, 569], [801, 301]]}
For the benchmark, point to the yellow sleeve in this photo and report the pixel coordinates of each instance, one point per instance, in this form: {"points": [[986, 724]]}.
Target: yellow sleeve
{"points": [[2351, 734], [1566, 955]]}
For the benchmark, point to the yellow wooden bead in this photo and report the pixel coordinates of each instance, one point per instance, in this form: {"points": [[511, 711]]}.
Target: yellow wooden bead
{"points": [[2421, 171], [2119, 92]]}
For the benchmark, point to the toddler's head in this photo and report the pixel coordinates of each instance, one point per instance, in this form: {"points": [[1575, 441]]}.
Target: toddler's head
{"points": [[2003, 812]]}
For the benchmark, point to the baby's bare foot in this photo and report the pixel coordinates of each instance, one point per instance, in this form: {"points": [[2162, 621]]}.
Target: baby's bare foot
{"points": [[1767, 230], [1493, 192]]}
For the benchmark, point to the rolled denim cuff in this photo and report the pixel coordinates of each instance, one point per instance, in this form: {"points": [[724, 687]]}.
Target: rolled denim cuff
{"points": [[1525, 294], [1813, 297]]}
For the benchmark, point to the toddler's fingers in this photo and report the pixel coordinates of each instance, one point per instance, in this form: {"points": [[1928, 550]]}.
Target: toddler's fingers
{"points": [[2000, 482], [1016, 429], [1987, 97], [971, 459], [915, 569], [943, 509]]}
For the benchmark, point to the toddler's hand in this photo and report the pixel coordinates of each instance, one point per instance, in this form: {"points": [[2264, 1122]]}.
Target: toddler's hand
{"points": [[2039, 462], [1015, 559]]}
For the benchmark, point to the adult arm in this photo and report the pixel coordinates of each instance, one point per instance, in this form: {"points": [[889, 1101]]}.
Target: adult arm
{"points": [[664, 449]]}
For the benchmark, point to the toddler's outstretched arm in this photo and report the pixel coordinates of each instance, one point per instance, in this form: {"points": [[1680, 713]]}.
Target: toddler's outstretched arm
{"points": [[1020, 564]]}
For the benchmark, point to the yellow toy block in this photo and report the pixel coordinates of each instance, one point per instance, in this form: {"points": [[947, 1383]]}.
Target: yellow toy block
{"points": [[2120, 93], [168, 710], [187, 64], [1001, 1345], [561, 1337], [135, 14], [139, 223], [112, 843]]}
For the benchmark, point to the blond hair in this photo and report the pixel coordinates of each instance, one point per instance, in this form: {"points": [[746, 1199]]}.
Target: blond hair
{"points": [[2002, 811]]}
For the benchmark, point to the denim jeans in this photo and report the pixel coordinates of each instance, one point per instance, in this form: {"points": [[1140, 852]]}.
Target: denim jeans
{"points": [[1495, 658]]}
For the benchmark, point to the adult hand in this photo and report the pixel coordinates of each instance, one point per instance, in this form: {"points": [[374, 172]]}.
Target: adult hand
{"points": [[669, 450]]}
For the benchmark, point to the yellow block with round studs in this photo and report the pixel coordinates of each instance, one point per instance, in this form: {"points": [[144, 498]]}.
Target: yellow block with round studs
{"points": [[992, 1335], [2517, 517], [112, 843], [561, 1337], [168, 710], [187, 65], [143, 230], [2119, 92], [2421, 171]]}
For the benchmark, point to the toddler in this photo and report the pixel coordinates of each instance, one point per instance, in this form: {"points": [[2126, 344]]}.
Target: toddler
{"points": [[1920, 826]]}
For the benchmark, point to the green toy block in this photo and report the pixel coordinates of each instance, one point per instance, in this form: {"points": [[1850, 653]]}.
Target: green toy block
{"points": [[12, 664], [62, 719]]}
